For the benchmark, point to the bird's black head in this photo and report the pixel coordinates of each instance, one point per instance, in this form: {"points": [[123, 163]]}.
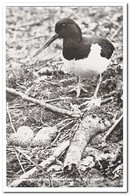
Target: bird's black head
{"points": [[68, 28]]}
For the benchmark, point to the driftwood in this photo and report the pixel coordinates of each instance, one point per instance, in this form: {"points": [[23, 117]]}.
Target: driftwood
{"points": [[42, 103], [59, 150], [88, 127]]}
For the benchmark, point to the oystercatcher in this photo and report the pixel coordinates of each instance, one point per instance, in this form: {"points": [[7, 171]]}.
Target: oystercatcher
{"points": [[85, 57]]}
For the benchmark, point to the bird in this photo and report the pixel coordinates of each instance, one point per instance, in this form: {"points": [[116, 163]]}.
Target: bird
{"points": [[83, 56]]}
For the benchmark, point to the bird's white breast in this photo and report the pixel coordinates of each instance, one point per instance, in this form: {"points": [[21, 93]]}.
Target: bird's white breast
{"points": [[91, 66]]}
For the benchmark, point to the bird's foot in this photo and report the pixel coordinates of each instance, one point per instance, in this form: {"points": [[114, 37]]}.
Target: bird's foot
{"points": [[78, 88], [94, 101]]}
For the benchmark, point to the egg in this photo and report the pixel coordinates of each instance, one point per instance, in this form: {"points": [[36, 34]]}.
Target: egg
{"points": [[22, 137]]}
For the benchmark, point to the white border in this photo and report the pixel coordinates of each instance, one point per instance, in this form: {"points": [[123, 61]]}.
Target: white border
{"points": [[89, 189], [69, 3]]}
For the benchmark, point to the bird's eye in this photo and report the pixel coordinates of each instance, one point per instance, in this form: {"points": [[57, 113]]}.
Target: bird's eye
{"points": [[63, 25]]}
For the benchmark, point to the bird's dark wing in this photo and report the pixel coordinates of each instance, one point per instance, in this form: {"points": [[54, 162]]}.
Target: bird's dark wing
{"points": [[80, 50], [107, 47]]}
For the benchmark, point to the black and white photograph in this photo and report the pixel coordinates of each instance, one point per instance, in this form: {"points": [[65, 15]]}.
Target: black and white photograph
{"points": [[66, 99]]}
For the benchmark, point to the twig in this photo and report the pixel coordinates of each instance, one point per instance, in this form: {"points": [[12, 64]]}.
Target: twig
{"points": [[19, 162], [61, 123], [7, 108], [106, 100], [58, 99], [43, 103], [26, 156], [59, 150], [71, 122], [21, 106], [109, 95], [106, 136]]}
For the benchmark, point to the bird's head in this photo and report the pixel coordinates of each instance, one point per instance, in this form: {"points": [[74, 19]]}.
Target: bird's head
{"points": [[65, 28]]}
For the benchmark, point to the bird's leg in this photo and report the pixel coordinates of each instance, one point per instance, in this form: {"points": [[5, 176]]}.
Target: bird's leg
{"points": [[94, 101], [78, 88], [97, 88]]}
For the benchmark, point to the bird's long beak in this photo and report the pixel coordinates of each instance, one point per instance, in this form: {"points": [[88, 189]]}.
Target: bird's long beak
{"points": [[50, 40]]}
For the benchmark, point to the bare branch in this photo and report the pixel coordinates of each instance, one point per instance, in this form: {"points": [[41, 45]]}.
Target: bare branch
{"points": [[42, 103], [7, 108]]}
